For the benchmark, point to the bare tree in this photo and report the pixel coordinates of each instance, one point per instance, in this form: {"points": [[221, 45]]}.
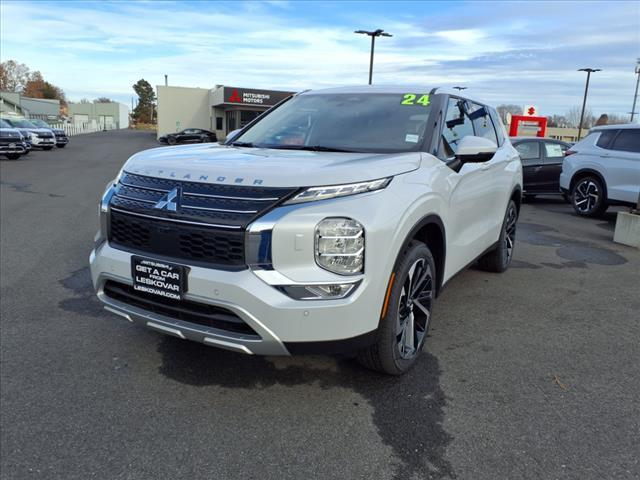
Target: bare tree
{"points": [[508, 108], [573, 117], [617, 119], [13, 76], [103, 100]]}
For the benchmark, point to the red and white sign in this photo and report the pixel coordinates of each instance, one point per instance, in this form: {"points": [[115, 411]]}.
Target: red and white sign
{"points": [[530, 111]]}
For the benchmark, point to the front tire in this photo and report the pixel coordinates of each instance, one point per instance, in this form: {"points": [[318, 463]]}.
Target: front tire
{"points": [[498, 259], [171, 141], [407, 314], [588, 198], [13, 156], [62, 145], [47, 148]]}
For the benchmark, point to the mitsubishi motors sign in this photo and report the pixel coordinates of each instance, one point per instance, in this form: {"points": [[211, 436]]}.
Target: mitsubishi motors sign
{"points": [[261, 98]]}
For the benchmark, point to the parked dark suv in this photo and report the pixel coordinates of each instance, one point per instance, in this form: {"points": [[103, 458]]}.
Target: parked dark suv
{"points": [[189, 135], [541, 164]]}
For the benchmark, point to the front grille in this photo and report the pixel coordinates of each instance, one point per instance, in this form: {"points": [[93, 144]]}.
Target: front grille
{"points": [[185, 310], [193, 243], [206, 228], [45, 135]]}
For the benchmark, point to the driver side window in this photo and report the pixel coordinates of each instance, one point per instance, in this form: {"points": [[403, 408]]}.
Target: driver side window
{"points": [[457, 125]]}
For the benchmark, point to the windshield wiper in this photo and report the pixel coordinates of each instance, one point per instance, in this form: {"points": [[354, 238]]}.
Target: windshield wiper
{"points": [[312, 148], [242, 144]]}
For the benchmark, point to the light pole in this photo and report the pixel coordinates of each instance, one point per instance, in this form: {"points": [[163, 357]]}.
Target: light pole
{"points": [[373, 35], [635, 96], [586, 89]]}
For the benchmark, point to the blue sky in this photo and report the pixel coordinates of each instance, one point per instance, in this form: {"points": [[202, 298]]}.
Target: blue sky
{"points": [[505, 52]]}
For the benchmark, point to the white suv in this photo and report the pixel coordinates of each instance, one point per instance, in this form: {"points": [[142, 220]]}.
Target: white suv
{"points": [[330, 223], [603, 169]]}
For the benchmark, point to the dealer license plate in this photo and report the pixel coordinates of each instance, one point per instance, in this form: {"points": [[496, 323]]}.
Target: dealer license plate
{"points": [[159, 278]]}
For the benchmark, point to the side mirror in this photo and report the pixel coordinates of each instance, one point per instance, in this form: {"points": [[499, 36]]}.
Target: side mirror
{"points": [[232, 134], [475, 149]]}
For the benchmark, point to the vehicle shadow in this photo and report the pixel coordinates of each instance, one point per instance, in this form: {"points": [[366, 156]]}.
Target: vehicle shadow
{"points": [[418, 439], [557, 204]]}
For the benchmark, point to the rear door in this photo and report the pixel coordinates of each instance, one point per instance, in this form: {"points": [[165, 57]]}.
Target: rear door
{"points": [[622, 172], [531, 157], [552, 165]]}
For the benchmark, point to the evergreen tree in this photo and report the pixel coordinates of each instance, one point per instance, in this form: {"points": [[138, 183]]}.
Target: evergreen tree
{"points": [[145, 111]]}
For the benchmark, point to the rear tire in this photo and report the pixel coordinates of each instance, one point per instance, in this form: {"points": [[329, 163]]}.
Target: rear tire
{"points": [[498, 259], [588, 198], [404, 326]]}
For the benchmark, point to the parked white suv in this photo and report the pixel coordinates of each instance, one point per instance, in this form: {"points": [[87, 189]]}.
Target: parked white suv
{"points": [[328, 224], [603, 169]]}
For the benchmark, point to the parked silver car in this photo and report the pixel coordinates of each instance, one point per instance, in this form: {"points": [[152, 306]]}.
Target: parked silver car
{"points": [[603, 169]]}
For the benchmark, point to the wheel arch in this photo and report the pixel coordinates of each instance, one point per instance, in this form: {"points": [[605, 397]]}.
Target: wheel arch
{"points": [[516, 196], [586, 172], [430, 231]]}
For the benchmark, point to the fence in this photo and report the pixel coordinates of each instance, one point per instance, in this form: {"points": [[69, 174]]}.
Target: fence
{"points": [[80, 128]]}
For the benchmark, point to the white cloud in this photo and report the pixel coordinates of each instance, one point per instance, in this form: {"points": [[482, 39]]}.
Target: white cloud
{"points": [[103, 48]]}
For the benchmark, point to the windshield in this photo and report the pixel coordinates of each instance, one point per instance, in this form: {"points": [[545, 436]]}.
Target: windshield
{"points": [[39, 123], [4, 123], [351, 122], [21, 123]]}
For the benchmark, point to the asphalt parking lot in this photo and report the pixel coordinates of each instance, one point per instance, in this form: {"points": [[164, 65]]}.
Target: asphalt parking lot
{"points": [[532, 374]]}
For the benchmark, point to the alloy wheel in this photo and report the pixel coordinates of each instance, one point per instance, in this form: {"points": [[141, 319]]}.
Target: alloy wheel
{"points": [[586, 196], [414, 309], [510, 233]]}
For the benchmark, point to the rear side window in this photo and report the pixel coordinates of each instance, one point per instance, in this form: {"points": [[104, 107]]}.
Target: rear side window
{"points": [[482, 124], [500, 132], [528, 150], [628, 141], [604, 140]]}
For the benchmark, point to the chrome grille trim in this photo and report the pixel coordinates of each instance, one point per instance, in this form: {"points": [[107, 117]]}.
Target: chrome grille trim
{"points": [[127, 212]]}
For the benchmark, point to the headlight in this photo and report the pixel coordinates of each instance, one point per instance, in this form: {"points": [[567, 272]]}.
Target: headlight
{"points": [[339, 245], [322, 193]]}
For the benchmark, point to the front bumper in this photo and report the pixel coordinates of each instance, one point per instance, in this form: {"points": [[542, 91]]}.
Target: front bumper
{"points": [[9, 149], [62, 140], [284, 325], [43, 142]]}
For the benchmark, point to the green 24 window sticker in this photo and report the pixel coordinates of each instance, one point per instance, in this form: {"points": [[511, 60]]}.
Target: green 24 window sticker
{"points": [[410, 99]]}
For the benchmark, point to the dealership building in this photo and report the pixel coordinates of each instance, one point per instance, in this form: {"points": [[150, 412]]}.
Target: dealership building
{"points": [[221, 109]]}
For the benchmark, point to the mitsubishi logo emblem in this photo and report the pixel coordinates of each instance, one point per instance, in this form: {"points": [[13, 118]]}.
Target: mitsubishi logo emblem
{"points": [[170, 201]]}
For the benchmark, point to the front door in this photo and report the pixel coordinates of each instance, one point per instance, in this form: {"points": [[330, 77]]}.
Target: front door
{"points": [[472, 198]]}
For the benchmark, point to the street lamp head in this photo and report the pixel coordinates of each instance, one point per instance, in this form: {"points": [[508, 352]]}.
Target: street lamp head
{"points": [[590, 70], [375, 33]]}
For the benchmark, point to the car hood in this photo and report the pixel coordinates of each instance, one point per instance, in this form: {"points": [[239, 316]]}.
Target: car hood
{"points": [[38, 130], [13, 131], [267, 167], [58, 131]]}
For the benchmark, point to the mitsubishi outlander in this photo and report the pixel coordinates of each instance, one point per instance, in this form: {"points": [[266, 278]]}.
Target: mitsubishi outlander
{"points": [[330, 223]]}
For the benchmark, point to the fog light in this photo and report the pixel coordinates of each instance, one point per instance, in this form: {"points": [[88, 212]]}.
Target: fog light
{"points": [[339, 245], [332, 291]]}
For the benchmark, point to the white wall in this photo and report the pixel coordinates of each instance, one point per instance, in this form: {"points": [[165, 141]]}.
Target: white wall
{"points": [[182, 107]]}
